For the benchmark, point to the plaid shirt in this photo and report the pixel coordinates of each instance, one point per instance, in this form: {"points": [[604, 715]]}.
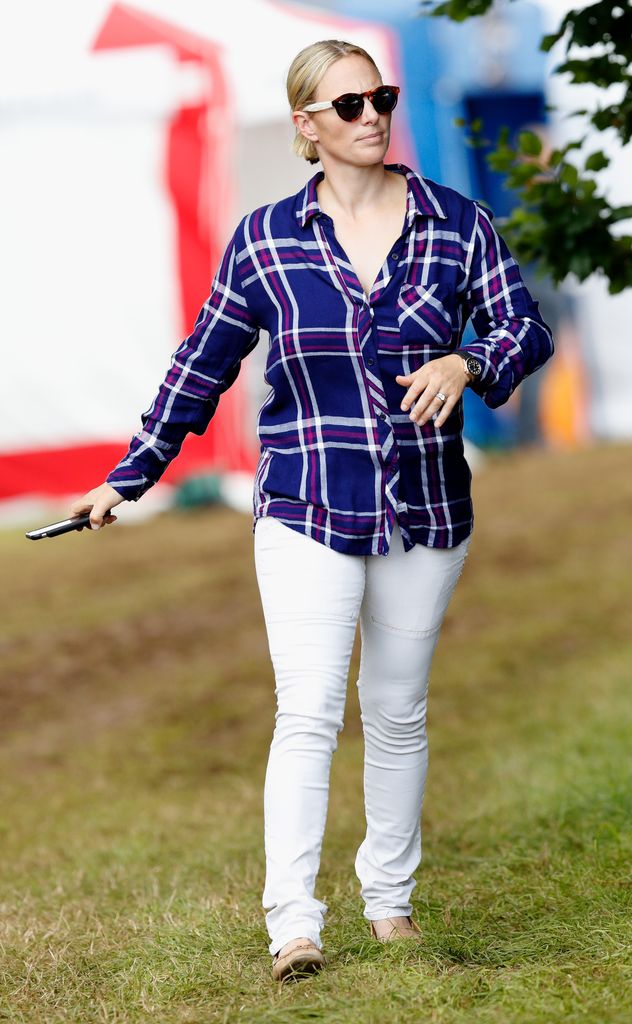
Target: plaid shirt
{"points": [[340, 461]]}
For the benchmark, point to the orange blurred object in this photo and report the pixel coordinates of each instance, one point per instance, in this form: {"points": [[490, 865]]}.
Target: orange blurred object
{"points": [[564, 396]]}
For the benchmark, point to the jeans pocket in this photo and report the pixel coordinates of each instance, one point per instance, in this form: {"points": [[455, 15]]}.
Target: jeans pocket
{"points": [[418, 614]]}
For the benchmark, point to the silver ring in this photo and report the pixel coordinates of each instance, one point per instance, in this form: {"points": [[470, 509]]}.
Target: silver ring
{"points": [[440, 395]]}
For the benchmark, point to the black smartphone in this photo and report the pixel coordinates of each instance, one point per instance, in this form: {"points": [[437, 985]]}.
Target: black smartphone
{"points": [[64, 526]]}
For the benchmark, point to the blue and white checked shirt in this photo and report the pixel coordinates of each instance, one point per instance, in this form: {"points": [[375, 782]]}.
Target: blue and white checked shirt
{"points": [[340, 461]]}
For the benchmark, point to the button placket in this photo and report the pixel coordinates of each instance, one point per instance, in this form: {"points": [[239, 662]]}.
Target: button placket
{"points": [[376, 388]]}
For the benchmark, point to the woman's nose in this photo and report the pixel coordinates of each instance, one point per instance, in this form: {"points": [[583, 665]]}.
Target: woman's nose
{"points": [[369, 113]]}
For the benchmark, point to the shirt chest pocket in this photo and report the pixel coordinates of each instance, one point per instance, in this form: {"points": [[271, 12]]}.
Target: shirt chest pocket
{"points": [[424, 315]]}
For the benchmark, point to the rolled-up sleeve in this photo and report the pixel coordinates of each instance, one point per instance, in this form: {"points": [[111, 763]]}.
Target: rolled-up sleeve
{"points": [[512, 340], [204, 366]]}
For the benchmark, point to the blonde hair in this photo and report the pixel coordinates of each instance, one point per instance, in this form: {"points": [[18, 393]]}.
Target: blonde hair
{"points": [[306, 71]]}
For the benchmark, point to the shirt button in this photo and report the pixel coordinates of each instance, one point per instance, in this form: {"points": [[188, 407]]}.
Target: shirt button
{"points": [[395, 254], [370, 362]]}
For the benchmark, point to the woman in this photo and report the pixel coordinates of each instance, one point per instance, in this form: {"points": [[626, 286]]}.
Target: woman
{"points": [[364, 280]]}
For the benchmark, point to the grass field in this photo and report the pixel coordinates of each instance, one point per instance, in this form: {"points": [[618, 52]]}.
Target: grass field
{"points": [[137, 707]]}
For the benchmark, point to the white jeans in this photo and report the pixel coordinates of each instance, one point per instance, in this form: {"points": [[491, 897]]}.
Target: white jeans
{"points": [[312, 597]]}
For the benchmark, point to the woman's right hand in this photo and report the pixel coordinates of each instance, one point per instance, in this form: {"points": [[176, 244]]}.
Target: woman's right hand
{"points": [[97, 502]]}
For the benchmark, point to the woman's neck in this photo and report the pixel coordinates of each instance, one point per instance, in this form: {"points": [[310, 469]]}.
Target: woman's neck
{"points": [[353, 192]]}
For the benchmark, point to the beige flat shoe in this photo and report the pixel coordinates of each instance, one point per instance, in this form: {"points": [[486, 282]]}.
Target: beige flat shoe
{"points": [[296, 959], [389, 929]]}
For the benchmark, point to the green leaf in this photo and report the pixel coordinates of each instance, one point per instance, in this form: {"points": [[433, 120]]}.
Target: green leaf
{"points": [[580, 264], [530, 143], [569, 175], [522, 173], [500, 160], [596, 161], [550, 40], [620, 213], [588, 187]]}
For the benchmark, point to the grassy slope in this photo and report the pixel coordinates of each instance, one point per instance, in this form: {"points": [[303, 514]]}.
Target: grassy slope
{"points": [[136, 710]]}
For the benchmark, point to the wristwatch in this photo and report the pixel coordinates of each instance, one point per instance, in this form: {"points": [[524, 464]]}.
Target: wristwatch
{"points": [[472, 365]]}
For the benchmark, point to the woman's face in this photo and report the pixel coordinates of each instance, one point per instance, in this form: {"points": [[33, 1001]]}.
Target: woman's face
{"points": [[361, 142]]}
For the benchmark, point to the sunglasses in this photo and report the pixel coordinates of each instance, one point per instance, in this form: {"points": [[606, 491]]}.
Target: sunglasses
{"points": [[350, 105]]}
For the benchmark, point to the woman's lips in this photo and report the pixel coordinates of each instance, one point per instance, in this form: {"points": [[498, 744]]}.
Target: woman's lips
{"points": [[375, 135]]}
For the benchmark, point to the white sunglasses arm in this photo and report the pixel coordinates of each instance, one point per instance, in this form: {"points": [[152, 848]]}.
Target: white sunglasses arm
{"points": [[318, 106]]}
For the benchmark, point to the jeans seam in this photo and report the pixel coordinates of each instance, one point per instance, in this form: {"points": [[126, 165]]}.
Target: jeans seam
{"points": [[412, 633], [336, 619]]}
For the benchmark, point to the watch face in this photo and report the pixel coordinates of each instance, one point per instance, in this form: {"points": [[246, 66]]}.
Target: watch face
{"points": [[474, 366]]}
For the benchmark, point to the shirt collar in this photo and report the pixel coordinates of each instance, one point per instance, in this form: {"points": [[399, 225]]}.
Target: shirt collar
{"points": [[422, 199]]}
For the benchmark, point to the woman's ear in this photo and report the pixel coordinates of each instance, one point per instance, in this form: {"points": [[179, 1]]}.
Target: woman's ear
{"points": [[305, 125]]}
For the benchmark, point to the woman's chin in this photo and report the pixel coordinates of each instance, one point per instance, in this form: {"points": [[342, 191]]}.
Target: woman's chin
{"points": [[364, 156]]}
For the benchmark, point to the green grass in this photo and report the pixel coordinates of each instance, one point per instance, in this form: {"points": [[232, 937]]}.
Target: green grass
{"points": [[136, 711]]}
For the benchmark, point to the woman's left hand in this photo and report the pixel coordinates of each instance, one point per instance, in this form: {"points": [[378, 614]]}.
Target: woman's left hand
{"points": [[447, 376]]}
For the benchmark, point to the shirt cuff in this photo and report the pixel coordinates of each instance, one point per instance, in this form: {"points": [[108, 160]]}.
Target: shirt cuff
{"points": [[489, 376], [130, 484]]}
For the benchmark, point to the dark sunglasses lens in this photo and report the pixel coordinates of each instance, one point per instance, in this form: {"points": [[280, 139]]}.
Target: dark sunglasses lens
{"points": [[349, 106], [385, 100]]}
